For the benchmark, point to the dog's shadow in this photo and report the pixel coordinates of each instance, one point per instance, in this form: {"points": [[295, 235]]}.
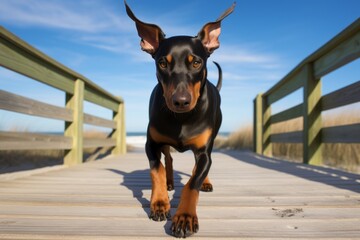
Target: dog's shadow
{"points": [[139, 181]]}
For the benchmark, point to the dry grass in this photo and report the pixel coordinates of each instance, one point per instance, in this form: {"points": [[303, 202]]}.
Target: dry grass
{"points": [[19, 160], [12, 161], [343, 156], [240, 139]]}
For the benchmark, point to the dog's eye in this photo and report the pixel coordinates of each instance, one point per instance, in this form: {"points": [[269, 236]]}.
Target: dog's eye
{"points": [[162, 63], [196, 64]]}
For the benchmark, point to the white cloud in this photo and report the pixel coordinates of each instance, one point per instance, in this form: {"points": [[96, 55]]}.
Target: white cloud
{"points": [[242, 63], [237, 54], [101, 27], [89, 17]]}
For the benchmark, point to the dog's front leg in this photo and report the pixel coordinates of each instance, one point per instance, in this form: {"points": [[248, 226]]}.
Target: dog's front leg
{"points": [[159, 202], [185, 221]]}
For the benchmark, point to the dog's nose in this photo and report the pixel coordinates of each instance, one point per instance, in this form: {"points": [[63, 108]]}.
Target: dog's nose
{"points": [[181, 100]]}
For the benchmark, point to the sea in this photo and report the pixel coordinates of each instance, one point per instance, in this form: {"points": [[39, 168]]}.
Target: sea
{"points": [[138, 139]]}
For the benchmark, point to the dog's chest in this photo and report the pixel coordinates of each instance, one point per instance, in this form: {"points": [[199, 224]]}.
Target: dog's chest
{"points": [[187, 137]]}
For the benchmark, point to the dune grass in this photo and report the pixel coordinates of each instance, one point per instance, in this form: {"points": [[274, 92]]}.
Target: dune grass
{"points": [[19, 160], [343, 156]]}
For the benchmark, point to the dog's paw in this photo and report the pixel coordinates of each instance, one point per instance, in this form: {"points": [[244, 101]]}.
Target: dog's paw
{"points": [[184, 225], [206, 187], [159, 211]]}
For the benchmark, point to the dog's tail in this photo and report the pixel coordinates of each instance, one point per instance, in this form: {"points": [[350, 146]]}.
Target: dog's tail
{"points": [[219, 83]]}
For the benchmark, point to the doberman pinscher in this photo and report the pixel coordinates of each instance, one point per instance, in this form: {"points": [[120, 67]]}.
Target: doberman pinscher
{"points": [[184, 113]]}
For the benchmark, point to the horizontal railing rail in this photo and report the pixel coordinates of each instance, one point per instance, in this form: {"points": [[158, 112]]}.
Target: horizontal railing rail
{"points": [[20, 57], [339, 51]]}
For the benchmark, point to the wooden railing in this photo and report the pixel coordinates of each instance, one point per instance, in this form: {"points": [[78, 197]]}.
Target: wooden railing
{"points": [[341, 50], [20, 57]]}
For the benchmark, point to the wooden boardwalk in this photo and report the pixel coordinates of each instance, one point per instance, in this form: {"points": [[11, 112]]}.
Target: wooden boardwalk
{"points": [[254, 198]]}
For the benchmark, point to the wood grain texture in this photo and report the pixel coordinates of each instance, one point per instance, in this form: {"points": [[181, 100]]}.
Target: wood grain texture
{"points": [[328, 49], [258, 124], [312, 124], [119, 133], [288, 137], [98, 121], [341, 134], [267, 145], [98, 142], [291, 113], [293, 83], [33, 141], [254, 198], [17, 103], [21, 57], [339, 51], [342, 54], [342, 97], [75, 128]]}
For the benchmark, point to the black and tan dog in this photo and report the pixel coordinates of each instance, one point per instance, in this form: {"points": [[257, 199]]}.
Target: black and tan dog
{"points": [[184, 113]]}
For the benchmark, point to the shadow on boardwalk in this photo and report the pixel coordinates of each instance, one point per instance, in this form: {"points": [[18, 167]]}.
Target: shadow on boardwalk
{"points": [[139, 181], [329, 176]]}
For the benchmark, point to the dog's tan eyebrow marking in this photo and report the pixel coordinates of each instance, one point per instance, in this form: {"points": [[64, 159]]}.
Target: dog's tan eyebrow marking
{"points": [[190, 58], [169, 58]]}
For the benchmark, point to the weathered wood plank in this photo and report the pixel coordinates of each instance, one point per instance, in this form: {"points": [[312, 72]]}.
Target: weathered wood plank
{"points": [[289, 84], [75, 128], [28, 141], [112, 196], [19, 56], [312, 123], [258, 124], [344, 53], [230, 228], [20, 104], [98, 142], [119, 133], [340, 50], [341, 134], [291, 113], [342, 97], [102, 100], [288, 137], [328, 47], [98, 121], [20, 60], [266, 134]]}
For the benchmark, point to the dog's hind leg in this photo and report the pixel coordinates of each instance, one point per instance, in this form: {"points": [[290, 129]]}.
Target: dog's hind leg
{"points": [[169, 168], [206, 185]]}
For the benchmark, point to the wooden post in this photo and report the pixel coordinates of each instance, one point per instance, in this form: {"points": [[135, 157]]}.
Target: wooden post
{"points": [[119, 134], [74, 129], [312, 153], [266, 111], [258, 124]]}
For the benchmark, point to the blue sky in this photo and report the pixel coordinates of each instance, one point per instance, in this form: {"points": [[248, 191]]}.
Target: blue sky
{"points": [[260, 43]]}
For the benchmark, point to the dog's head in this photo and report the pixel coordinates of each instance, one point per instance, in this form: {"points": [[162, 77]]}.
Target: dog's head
{"points": [[180, 60]]}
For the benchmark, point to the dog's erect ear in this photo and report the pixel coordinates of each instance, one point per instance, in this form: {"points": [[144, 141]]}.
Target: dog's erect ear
{"points": [[150, 34], [209, 34]]}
